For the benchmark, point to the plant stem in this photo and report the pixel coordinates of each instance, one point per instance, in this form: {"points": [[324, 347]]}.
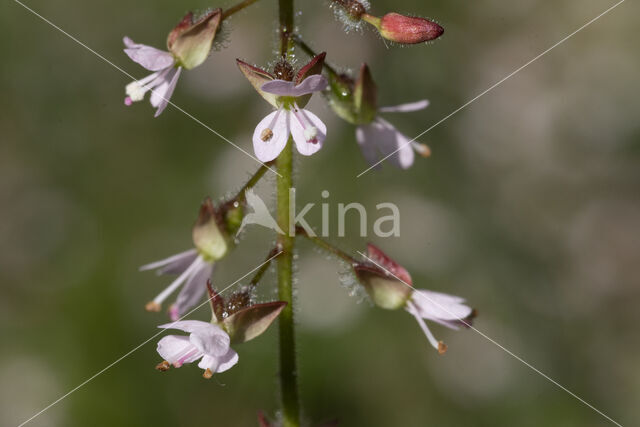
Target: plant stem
{"points": [[300, 231], [284, 163], [241, 196], [258, 276], [237, 8], [307, 49]]}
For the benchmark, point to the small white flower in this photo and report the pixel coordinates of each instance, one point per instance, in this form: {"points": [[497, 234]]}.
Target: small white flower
{"points": [[206, 342], [193, 272], [308, 131], [448, 310], [161, 82], [380, 138]]}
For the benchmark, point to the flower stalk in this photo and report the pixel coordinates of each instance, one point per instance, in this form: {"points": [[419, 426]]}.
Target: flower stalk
{"points": [[237, 8], [284, 164]]}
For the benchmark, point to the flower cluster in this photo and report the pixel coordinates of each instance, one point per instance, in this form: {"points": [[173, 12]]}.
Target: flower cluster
{"points": [[238, 318]]}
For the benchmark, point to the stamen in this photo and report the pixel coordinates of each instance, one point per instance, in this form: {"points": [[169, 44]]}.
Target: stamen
{"points": [[174, 314], [137, 89], [152, 306], [207, 374], [266, 135], [422, 149], [195, 265], [163, 366], [438, 345], [310, 131], [184, 357], [442, 347], [128, 101]]}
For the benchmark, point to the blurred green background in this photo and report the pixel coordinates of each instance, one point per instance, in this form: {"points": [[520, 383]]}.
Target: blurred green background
{"points": [[529, 207]]}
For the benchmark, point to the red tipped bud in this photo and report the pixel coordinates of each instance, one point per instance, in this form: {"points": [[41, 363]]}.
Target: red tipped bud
{"points": [[405, 29]]}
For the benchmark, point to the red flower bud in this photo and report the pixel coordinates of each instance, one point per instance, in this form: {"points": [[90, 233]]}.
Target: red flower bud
{"points": [[408, 29]]}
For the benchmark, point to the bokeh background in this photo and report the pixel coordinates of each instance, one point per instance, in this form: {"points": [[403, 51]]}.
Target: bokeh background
{"points": [[529, 207]]}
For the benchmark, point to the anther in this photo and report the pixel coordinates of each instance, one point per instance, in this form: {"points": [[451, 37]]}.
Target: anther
{"points": [[442, 347], [207, 374], [152, 306], [266, 135], [163, 366]]}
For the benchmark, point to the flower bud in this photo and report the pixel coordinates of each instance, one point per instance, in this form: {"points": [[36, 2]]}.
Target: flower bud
{"points": [[209, 234], [190, 41], [385, 290], [353, 101], [365, 96], [405, 29], [388, 284]]}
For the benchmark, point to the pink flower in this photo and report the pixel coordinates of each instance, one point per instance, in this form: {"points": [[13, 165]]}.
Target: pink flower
{"points": [[161, 82], [445, 309], [379, 138], [390, 286], [308, 131], [288, 92], [193, 272], [193, 267], [206, 342]]}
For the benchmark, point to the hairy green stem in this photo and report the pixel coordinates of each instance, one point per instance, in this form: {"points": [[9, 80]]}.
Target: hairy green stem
{"points": [[300, 231], [237, 8], [284, 163], [263, 269], [241, 196], [307, 49]]}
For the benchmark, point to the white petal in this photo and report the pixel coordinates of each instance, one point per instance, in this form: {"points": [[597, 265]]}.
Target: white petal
{"points": [[228, 360], [192, 291], [365, 135], [172, 347], [279, 87], [219, 364], [298, 131], [439, 306], [212, 341], [395, 145], [179, 280], [406, 108], [160, 98], [129, 43], [188, 325], [270, 149], [149, 57], [175, 264]]}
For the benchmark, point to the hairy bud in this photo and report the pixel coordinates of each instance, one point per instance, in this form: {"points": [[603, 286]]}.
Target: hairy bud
{"points": [[388, 284], [191, 40], [405, 29], [209, 234]]}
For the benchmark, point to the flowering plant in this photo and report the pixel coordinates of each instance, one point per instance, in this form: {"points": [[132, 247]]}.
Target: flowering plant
{"points": [[239, 318]]}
